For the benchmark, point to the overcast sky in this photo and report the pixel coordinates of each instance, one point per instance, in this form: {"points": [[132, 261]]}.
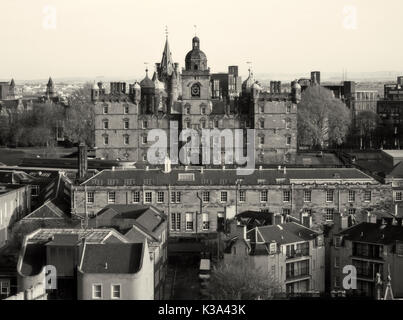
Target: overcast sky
{"points": [[113, 38]]}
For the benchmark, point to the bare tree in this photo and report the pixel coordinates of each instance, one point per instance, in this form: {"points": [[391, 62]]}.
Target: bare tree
{"points": [[367, 123], [239, 280], [80, 118], [322, 119]]}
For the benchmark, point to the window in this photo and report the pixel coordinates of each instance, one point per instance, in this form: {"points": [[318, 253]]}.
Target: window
{"points": [[307, 195], [189, 221], [144, 140], [144, 157], [160, 196], [351, 196], [286, 212], [203, 124], [126, 139], [288, 109], [126, 109], [90, 197], [187, 124], [263, 196], [106, 124], [106, 140], [329, 214], [286, 196], [336, 261], [105, 109], [115, 291], [136, 196], [351, 211], [175, 196], [216, 124], [187, 110], [288, 142], [175, 221], [5, 287], [126, 124], [145, 124], [97, 291], [261, 124], [148, 197], [336, 281], [34, 190], [206, 196], [203, 110], [398, 196], [288, 124], [224, 196], [242, 195], [261, 140], [329, 195], [205, 220], [367, 196], [111, 197], [262, 109]]}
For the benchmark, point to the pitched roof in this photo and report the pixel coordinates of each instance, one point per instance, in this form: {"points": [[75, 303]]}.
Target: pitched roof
{"points": [[374, 233], [290, 232], [225, 177], [112, 258]]}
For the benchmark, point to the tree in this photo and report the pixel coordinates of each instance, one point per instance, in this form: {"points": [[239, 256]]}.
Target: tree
{"points": [[239, 280], [80, 117], [367, 124], [322, 119]]}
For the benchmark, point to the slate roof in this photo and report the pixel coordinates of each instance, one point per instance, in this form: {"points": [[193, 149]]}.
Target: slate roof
{"points": [[290, 232], [374, 233], [112, 258], [157, 177], [397, 171], [34, 259]]}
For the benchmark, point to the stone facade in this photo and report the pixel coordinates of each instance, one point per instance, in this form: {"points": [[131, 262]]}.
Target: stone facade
{"points": [[193, 99]]}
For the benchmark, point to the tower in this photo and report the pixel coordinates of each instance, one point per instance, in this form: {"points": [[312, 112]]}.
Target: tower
{"points": [[50, 89], [147, 94]]}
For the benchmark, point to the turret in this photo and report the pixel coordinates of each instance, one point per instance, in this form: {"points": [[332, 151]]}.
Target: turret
{"points": [[95, 92], [295, 91], [136, 92]]}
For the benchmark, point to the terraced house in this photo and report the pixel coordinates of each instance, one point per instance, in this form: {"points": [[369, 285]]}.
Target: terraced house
{"points": [[197, 201]]}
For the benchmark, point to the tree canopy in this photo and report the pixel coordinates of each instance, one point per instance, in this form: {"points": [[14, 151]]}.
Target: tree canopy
{"points": [[322, 119], [238, 280]]}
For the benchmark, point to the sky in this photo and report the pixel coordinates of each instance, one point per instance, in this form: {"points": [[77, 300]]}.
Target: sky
{"points": [[115, 38]]}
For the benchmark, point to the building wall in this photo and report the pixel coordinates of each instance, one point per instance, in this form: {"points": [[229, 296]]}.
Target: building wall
{"points": [[190, 203], [14, 205], [138, 286]]}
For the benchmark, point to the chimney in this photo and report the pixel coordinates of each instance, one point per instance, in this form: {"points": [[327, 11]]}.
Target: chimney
{"points": [[278, 87], [167, 165], [272, 86], [285, 170], [201, 170], [82, 160]]}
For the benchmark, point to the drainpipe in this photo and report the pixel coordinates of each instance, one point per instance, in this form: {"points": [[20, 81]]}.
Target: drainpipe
{"points": [[201, 208]]}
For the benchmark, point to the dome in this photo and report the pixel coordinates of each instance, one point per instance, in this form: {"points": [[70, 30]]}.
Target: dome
{"points": [[247, 84], [196, 59], [147, 82]]}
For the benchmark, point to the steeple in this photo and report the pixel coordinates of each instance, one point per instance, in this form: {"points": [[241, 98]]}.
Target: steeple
{"points": [[50, 90], [167, 65]]}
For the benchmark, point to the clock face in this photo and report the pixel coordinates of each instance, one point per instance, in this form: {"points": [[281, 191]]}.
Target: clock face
{"points": [[195, 90]]}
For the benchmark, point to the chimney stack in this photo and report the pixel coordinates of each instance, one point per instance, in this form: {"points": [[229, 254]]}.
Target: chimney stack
{"points": [[82, 160]]}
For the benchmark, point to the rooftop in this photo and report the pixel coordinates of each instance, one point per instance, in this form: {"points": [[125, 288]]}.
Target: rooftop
{"points": [[112, 258], [374, 233], [156, 177]]}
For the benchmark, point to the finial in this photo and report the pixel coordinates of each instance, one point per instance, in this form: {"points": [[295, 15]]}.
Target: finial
{"points": [[195, 27], [249, 63], [166, 32], [146, 63]]}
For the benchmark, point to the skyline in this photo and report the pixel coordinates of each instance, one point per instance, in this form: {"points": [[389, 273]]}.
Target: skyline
{"points": [[93, 39]]}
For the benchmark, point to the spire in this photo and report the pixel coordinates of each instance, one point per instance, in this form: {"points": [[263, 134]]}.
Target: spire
{"points": [[12, 83], [167, 65]]}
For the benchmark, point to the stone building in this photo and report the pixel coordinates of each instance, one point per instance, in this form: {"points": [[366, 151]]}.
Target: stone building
{"points": [[197, 202], [292, 255], [193, 99]]}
